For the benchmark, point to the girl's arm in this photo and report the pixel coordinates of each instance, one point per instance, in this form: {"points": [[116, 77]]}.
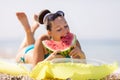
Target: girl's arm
{"points": [[81, 54], [39, 50], [77, 51]]}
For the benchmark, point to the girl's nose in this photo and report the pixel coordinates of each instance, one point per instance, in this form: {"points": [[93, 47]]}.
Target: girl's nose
{"points": [[65, 32]]}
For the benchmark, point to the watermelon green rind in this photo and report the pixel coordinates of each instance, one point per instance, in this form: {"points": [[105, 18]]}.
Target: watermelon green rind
{"points": [[63, 52]]}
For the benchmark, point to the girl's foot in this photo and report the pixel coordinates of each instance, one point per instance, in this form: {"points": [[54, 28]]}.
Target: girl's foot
{"points": [[24, 21], [35, 23]]}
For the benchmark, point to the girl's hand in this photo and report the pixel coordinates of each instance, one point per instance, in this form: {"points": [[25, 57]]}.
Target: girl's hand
{"points": [[52, 55], [77, 53]]}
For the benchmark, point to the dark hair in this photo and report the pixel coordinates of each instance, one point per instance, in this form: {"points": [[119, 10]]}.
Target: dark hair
{"points": [[42, 14], [45, 17]]}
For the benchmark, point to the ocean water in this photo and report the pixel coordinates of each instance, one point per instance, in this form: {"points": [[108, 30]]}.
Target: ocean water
{"points": [[104, 50]]}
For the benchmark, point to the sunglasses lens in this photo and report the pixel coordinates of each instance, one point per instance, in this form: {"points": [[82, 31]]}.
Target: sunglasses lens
{"points": [[55, 15], [60, 12], [51, 16]]}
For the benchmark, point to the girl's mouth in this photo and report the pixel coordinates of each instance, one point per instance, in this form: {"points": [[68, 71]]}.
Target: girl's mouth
{"points": [[63, 37]]}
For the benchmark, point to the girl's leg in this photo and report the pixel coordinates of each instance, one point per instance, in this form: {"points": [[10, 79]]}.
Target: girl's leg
{"points": [[29, 33]]}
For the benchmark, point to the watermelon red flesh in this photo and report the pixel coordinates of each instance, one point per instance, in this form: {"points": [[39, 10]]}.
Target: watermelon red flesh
{"points": [[63, 45]]}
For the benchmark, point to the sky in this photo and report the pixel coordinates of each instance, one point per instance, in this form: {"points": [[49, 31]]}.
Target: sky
{"points": [[88, 19]]}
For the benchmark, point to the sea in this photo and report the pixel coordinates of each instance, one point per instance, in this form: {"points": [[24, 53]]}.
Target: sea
{"points": [[103, 50]]}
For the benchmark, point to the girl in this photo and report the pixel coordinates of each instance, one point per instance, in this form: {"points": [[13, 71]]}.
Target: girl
{"points": [[33, 51]]}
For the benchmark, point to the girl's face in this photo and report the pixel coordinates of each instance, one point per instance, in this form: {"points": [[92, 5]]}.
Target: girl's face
{"points": [[59, 28]]}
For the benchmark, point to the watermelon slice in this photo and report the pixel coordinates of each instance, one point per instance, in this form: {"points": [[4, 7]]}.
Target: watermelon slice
{"points": [[65, 45]]}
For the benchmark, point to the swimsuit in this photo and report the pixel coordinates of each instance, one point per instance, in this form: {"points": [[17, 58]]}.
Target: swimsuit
{"points": [[30, 47]]}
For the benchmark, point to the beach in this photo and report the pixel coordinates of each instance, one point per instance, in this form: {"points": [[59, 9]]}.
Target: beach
{"points": [[9, 77], [105, 51], [96, 24]]}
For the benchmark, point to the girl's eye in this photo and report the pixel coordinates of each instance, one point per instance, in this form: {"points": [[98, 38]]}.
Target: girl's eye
{"points": [[66, 26], [59, 29]]}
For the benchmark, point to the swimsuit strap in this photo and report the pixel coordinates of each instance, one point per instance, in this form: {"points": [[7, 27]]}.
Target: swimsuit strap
{"points": [[67, 56], [22, 59], [28, 48]]}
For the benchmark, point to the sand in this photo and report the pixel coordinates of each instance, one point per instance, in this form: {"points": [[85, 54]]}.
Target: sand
{"points": [[115, 76], [10, 77]]}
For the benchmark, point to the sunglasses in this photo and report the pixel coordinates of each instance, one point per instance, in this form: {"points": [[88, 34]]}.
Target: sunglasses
{"points": [[52, 16]]}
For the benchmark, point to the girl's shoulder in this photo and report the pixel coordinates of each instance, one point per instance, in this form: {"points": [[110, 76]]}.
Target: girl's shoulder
{"points": [[44, 37]]}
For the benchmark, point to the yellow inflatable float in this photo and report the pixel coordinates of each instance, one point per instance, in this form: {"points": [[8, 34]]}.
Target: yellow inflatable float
{"points": [[59, 69], [70, 70], [13, 71]]}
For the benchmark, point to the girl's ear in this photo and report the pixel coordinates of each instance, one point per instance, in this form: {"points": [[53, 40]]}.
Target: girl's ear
{"points": [[49, 33]]}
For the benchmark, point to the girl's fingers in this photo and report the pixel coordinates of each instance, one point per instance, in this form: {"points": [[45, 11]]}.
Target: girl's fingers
{"points": [[73, 53], [55, 52]]}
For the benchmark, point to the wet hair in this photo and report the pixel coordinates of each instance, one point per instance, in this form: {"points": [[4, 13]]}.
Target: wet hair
{"points": [[45, 17]]}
